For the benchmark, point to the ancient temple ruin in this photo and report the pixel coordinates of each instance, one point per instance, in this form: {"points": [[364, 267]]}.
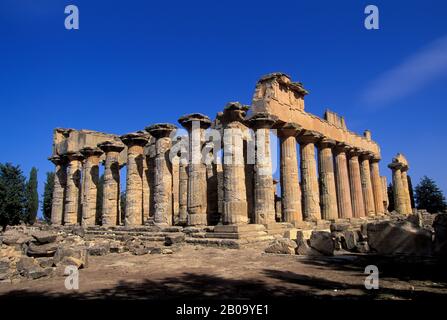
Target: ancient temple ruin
{"points": [[220, 173]]}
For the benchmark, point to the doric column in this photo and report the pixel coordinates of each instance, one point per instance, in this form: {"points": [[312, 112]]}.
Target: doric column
{"points": [[90, 180], [398, 188], [264, 199], [72, 212], [163, 178], [183, 191], [290, 185], [358, 205], [235, 209], [309, 175], [135, 143], [406, 189], [111, 188], [60, 182], [342, 182], [196, 124], [377, 185], [328, 193], [365, 172]]}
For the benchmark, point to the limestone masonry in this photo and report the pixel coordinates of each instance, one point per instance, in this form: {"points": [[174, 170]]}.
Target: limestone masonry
{"points": [[220, 173]]}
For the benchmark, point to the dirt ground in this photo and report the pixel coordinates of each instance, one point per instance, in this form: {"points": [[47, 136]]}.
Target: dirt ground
{"points": [[214, 273]]}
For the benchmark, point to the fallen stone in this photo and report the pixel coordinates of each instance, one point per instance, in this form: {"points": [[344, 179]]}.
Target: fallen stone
{"points": [[394, 237], [75, 252], [282, 246], [78, 231], [139, 250], [44, 237], [350, 240], [362, 247], [166, 251], [322, 242], [175, 238], [72, 261], [45, 262], [339, 227], [156, 251], [98, 250], [44, 250], [29, 267]]}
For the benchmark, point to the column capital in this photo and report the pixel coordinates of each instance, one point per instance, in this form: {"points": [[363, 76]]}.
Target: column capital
{"points": [[395, 166], [233, 111], [161, 130], [110, 146], [262, 120], [326, 143], [135, 139], [342, 147], [89, 151], [354, 152], [57, 160], [309, 136], [74, 156], [188, 120], [287, 129], [366, 155]]}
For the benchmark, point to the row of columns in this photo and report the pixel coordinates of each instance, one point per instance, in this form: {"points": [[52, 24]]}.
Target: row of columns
{"points": [[343, 183]]}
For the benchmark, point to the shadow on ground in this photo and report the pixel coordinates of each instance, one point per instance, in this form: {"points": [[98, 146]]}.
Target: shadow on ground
{"points": [[276, 284]]}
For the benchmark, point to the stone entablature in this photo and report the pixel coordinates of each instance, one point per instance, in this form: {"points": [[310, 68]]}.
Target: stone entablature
{"points": [[278, 95], [221, 171]]}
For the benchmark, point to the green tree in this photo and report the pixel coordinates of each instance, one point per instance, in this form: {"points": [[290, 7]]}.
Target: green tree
{"points": [[429, 197], [32, 197], [48, 196], [390, 197], [12, 195], [410, 188]]}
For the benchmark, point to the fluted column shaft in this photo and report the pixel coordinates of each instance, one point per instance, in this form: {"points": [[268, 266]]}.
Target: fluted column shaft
{"points": [[163, 178], [368, 195], [358, 204], [377, 186], [264, 206], [60, 181], [90, 186], [328, 193], [342, 183], [398, 190], [309, 177], [72, 212], [290, 186], [183, 191]]}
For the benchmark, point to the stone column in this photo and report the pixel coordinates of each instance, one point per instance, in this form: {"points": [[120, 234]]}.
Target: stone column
{"points": [[264, 199], [376, 185], [309, 175], [328, 193], [163, 177], [342, 182], [183, 191], [111, 191], [235, 209], [406, 189], [290, 186], [60, 182], [72, 212], [358, 204], [368, 195], [398, 188], [90, 185], [196, 124], [135, 143]]}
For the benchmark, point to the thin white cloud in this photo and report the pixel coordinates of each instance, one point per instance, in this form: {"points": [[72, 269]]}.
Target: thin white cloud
{"points": [[412, 75]]}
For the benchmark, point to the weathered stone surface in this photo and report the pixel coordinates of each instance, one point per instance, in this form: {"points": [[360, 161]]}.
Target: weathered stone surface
{"points": [[351, 239], [323, 242], [44, 237], [45, 262], [174, 238], [29, 267], [99, 250], [282, 246], [69, 251], [339, 227], [362, 247], [390, 238], [43, 250], [78, 231]]}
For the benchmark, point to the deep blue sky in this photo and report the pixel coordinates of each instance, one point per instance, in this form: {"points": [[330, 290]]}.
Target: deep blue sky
{"points": [[134, 63]]}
